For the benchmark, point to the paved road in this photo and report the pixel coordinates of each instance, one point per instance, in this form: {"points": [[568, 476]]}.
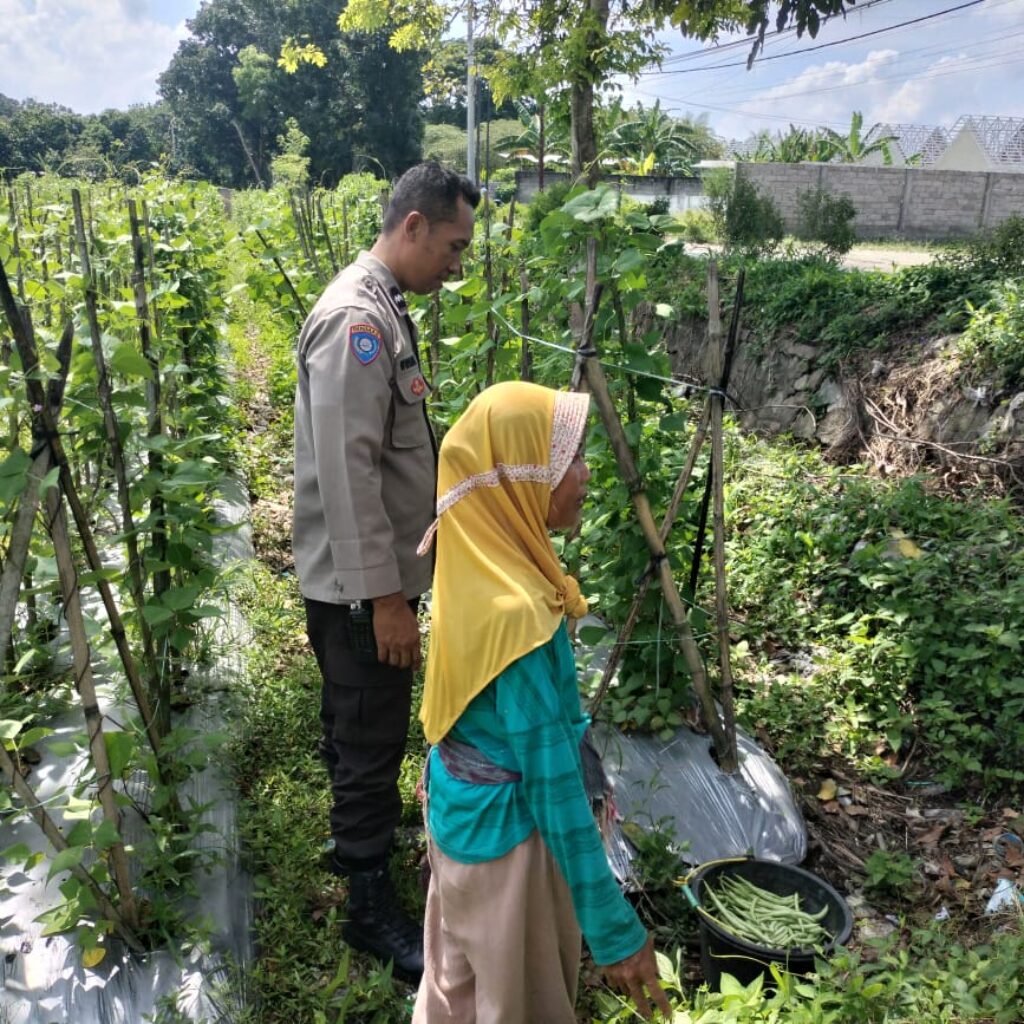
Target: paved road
{"points": [[860, 257], [864, 257]]}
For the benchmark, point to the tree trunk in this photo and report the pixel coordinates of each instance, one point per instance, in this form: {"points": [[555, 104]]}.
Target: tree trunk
{"points": [[584, 141]]}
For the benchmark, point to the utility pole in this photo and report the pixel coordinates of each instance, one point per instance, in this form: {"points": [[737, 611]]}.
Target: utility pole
{"points": [[470, 97]]}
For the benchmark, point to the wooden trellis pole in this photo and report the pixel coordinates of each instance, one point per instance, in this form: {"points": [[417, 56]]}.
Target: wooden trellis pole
{"points": [[53, 833], [715, 372], [47, 402], [160, 682], [135, 584], [85, 684], [697, 443], [82, 666], [588, 368]]}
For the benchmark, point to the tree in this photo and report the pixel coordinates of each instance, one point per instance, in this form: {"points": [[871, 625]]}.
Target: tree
{"points": [[444, 83], [578, 45], [646, 140], [231, 92], [854, 147], [797, 145]]}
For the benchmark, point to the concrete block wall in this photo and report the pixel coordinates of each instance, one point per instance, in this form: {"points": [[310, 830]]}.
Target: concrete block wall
{"points": [[876, 193], [1005, 198], [944, 204], [681, 193], [898, 202]]}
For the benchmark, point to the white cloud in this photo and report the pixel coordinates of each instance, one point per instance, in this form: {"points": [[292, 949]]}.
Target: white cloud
{"points": [[882, 86], [84, 54], [931, 73]]}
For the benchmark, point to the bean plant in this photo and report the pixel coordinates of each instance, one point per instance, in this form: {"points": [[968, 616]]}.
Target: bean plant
{"points": [[111, 380]]}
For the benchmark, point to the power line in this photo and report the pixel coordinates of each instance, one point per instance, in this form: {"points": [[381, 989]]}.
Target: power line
{"points": [[748, 40], [970, 64], [820, 46]]}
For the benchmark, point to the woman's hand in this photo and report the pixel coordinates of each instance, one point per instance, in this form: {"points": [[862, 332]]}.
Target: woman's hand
{"points": [[636, 973]]}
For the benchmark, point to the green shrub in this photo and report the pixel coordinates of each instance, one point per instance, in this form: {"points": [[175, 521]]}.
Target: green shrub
{"points": [[718, 184], [993, 255], [502, 184], [545, 202], [993, 343], [752, 221], [826, 218], [868, 577], [698, 226]]}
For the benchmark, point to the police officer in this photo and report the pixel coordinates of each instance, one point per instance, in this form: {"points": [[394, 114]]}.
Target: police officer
{"points": [[365, 467]]}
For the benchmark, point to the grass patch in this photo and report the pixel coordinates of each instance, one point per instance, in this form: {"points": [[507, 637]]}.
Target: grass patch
{"points": [[303, 970]]}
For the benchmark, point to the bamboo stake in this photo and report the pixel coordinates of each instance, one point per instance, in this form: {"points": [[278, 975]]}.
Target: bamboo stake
{"points": [[490, 325], [327, 235], [47, 427], [626, 632], [103, 390], [287, 279], [53, 833], [85, 684], [589, 367], [717, 358], [344, 232], [44, 427], [159, 682], [17, 549], [435, 337], [526, 352]]}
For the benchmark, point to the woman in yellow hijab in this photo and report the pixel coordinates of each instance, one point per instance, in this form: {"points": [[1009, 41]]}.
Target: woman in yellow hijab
{"points": [[518, 866]]}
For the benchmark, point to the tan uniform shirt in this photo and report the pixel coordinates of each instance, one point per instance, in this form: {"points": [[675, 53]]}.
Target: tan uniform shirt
{"points": [[365, 457]]}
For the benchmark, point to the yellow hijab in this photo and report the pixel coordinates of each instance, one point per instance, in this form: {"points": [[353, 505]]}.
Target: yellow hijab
{"points": [[499, 589]]}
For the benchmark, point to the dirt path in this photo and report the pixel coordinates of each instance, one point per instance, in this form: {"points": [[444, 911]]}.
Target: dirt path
{"points": [[860, 257], [866, 257]]}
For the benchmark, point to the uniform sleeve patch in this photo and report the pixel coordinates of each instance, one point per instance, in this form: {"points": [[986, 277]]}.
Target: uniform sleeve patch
{"points": [[418, 386], [365, 341]]}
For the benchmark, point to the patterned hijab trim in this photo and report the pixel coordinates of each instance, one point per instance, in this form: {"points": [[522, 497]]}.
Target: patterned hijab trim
{"points": [[567, 430]]}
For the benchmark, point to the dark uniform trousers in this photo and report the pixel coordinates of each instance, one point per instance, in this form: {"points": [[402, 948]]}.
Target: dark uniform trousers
{"points": [[364, 710]]}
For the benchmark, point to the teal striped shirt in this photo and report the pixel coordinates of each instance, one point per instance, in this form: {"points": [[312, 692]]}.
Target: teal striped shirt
{"points": [[528, 720]]}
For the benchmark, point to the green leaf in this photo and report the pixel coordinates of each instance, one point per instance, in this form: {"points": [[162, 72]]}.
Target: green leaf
{"points": [[13, 475], [9, 728], [179, 598], [16, 854], [596, 204], [63, 748], [130, 363], [155, 614], [120, 748], [81, 834], [592, 634], [34, 735], [50, 480], [66, 860], [106, 835]]}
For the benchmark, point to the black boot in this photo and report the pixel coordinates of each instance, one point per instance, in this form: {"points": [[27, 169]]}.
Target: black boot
{"points": [[377, 923]]}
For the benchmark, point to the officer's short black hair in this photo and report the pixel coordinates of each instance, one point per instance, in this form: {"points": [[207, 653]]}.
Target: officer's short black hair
{"points": [[432, 190]]}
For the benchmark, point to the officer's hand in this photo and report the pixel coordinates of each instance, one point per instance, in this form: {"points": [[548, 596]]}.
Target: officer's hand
{"points": [[397, 632], [635, 973]]}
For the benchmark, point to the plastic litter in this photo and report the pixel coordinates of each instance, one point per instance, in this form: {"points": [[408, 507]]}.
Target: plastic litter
{"points": [[42, 980], [1005, 896], [676, 787]]}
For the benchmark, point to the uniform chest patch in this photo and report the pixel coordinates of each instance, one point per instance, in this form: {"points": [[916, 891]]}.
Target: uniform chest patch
{"points": [[365, 341], [418, 386]]}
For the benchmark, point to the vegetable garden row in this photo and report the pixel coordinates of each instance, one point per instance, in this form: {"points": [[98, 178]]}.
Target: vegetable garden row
{"points": [[121, 417]]}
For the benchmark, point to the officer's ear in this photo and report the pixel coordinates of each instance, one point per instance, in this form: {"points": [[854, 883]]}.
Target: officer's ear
{"points": [[415, 226]]}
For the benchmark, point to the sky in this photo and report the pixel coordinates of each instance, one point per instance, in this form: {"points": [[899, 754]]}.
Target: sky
{"points": [[94, 54]]}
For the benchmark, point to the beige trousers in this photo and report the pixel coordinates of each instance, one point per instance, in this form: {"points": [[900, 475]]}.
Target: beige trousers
{"points": [[501, 942]]}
